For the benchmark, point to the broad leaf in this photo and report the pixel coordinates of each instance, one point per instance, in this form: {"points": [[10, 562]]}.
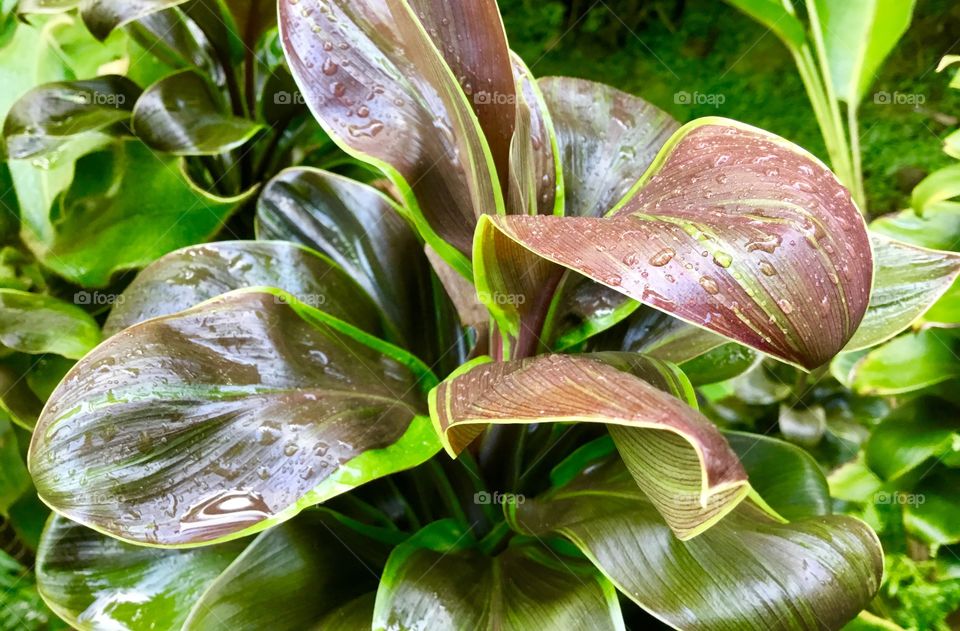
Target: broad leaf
{"points": [[35, 324], [911, 435], [938, 228], [676, 455], [747, 571], [358, 227], [432, 582], [858, 36], [253, 405], [102, 16], [187, 277], [606, 139], [719, 364], [183, 114], [908, 363], [930, 511], [938, 187], [909, 280], [732, 229], [125, 207], [777, 16], [41, 120], [384, 93]]}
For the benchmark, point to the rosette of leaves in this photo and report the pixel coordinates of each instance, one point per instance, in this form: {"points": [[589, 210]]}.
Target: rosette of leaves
{"points": [[243, 384]]}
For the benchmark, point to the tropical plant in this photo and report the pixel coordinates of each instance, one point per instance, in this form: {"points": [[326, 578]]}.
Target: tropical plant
{"points": [[549, 270], [838, 52]]}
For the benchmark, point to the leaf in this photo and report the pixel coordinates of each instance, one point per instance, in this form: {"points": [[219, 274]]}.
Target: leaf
{"points": [[14, 478], [930, 513], [606, 139], [938, 228], [40, 120], [940, 186], [776, 16], [358, 227], [803, 425], [97, 582], [397, 105], [35, 324], [661, 336], [747, 571], [909, 280], [733, 230], [908, 363], [102, 16], [125, 208], [182, 114], [719, 364], [253, 407], [437, 584], [676, 455], [187, 277], [911, 435], [858, 36]]}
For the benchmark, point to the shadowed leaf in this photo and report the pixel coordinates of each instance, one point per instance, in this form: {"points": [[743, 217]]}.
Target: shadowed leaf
{"points": [[102, 16]]}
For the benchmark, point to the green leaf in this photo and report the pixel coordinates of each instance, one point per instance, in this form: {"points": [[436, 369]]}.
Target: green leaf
{"points": [[606, 139], [367, 86], [930, 510], [676, 455], [125, 208], [102, 16], [183, 114], [14, 478], [777, 16], [722, 363], [254, 405], [434, 581], [938, 228], [911, 435], [940, 186], [358, 227], [858, 36], [732, 229], [96, 582], [40, 120], [33, 323], [659, 335], [187, 277], [747, 571], [908, 363]]}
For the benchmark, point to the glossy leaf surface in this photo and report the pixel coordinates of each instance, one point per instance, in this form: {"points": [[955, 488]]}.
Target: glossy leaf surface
{"points": [[187, 277], [734, 230], [746, 572], [102, 16], [35, 324], [676, 456], [227, 418]]}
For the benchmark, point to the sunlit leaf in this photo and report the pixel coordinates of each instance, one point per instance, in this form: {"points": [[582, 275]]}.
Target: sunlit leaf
{"points": [[40, 120], [776, 16], [940, 186], [938, 228], [187, 277], [523, 587], [254, 408], [677, 456], [747, 571], [732, 229], [908, 363]]}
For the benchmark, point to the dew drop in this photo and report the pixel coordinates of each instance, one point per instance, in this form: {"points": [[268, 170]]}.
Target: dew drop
{"points": [[662, 257], [709, 285], [767, 269], [723, 259], [785, 306]]}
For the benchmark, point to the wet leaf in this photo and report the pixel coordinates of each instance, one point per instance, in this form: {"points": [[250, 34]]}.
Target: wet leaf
{"points": [[35, 324]]}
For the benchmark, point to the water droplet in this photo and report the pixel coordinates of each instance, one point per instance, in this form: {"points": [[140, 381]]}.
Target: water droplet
{"points": [[225, 512], [662, 257], [290, 449], [767, 269], [723, 259], [785, 306], [709, 285], [369, 130], [329, 68]]}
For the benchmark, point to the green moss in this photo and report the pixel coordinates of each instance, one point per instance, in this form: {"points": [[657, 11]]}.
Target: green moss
{"points": [[706, 47]]}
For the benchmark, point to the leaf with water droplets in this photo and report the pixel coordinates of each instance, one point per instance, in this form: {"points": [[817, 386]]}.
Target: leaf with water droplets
{"points": [[419, 127], [189, 394], [187, 277], [834, 562], [676, 456], [787, 253]]}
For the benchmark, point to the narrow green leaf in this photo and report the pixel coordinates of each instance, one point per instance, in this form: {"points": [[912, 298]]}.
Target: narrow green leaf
{"points": [[746, 572], [187, 277], [40, 120], [184, 115], [732, 229], [676, 455], [449, 587], [940, 186], [242, 444], [35, 324], [777, 16], [14, 478]]}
